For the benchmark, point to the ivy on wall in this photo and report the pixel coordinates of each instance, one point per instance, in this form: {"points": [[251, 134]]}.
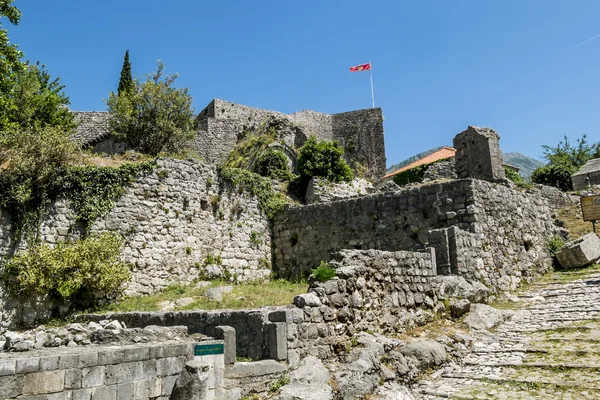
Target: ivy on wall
{"points": [[270, 201], [412, 175], [92, 189]]}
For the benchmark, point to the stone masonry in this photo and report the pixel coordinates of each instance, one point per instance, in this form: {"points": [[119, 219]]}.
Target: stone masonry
{"points": [[221, 124], [478, 154]]}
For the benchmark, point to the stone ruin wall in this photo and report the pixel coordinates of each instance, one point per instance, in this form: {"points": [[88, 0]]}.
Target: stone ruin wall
{"points": [[171, 220], [221, 124], [498, 234], [143, 371]]}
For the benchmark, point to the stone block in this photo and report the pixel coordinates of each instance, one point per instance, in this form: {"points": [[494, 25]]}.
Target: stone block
{"points": [[125, 372], [105, 393], [88, 359], [147, 388], [7, 367], [254, 369], [67, 361], [49, 363], [168, 384], [92, 377], [27, 365], [44, 382], [170, 366], [277, 332], [109, 356], [82, 394], [73, 378], [478, 154], [175, 350], [580, 252], [227, 334], [136, 354], [125, 391], [149, 369], [11, 386]]}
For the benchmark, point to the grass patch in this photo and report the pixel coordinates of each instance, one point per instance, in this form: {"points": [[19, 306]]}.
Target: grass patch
{"points": [[571, 216], [252, 295]]}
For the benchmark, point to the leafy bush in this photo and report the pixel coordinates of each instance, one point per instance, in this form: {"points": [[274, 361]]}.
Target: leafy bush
{"points": [[323, 159], [413, 175], [323, 272], [563, 161], [274, 164], [269, 200], [154, 116], [31, 161], [555, 244], [81, 273], [552, 175]]}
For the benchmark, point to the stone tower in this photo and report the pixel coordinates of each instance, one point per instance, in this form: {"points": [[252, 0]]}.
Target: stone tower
{"points": [[478, 154]]}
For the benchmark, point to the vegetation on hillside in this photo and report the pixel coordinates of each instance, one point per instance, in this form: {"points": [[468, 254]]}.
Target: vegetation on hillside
{"points": [[564, 160], [80, 274], [154, 116]]}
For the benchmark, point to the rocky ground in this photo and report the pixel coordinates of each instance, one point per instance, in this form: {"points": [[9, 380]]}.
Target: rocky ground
{"points": [[548, 349]]}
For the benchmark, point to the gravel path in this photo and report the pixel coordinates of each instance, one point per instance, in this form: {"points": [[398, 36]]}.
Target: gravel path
{"points": [[549, 349]]}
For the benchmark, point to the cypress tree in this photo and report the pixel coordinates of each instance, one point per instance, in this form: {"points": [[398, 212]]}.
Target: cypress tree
{"points": [[126, 81]]}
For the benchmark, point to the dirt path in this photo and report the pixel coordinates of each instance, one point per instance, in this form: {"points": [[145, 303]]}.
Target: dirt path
{"points": [[549, 349]]}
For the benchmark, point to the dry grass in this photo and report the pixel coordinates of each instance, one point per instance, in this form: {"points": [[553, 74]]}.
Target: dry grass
{"points": [[113, 160], [571, 215], [273, 293]]}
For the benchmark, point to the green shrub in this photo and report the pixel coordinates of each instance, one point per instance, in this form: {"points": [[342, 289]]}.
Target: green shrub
{"points": [[552, 175], [513, 175], [269, 200], [555, 244], [212, 259], [154, 116], [413, 175], [274, 164], [81, 273], [323, 272], [323, 159]]}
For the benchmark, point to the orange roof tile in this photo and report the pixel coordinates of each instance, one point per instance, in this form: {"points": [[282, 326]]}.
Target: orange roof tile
{"points": [[441, 154]]}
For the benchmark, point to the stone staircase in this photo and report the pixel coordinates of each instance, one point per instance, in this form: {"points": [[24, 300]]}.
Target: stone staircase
{"points": [[549, 349]]}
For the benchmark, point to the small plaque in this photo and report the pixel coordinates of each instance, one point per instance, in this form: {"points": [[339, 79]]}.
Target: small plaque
{"points": [[590, 207], [209, 349]]}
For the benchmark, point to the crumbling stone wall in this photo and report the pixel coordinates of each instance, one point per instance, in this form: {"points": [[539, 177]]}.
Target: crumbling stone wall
{"points": [[498, 235], [378, 291], [478, 154], [143, 371], [440, 170], [303, 236], [173, 219]]}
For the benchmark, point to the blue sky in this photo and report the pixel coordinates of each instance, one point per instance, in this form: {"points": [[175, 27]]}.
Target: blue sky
{"points": [[438, 65]]}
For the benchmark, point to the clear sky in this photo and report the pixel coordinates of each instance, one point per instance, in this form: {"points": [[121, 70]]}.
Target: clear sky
{"points": [[438, 65]]}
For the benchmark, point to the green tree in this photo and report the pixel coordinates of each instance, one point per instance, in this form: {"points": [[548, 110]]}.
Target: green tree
{"points": [[563, 161], [126, 82], [324, 159], [37, 101], [155, 117]]}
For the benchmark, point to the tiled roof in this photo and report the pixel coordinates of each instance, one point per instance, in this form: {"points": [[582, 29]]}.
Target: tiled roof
{"points": [[441, 154], [92, 127]]}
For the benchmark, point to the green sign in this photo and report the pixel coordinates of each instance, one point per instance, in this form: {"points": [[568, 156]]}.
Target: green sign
{"points": [[209, 349]]}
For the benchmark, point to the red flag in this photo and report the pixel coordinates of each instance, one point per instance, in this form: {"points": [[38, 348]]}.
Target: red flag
{"points": [[362, 67]]}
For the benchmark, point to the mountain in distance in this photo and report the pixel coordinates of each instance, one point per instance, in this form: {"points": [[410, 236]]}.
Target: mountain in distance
{"points": [[526, 164]]}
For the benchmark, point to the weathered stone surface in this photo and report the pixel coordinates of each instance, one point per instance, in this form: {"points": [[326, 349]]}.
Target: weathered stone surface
{"points": [[588, 175], [192, 383], [580, 252], [307, 300], [393, 391], [227, 334], [44, 382], [459, 288], [460, 307], [427, 353], [216, 294], [310, 381], [483, 316], [478, 154], [322, 191]]}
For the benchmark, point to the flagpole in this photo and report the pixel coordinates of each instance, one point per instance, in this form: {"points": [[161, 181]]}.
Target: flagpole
{"points": [[372, 92]]}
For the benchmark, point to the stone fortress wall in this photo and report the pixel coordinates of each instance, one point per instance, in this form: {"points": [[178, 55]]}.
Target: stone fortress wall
{"points": [[222, 123]]}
